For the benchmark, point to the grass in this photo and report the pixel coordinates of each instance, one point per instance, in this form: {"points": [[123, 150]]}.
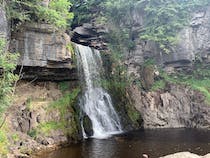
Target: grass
{"points": [[199, 80], [4, 142], [133, 114], [201, 85], [158, 85], [45, 128], [64, 86], [66, 101], [65, 106]]}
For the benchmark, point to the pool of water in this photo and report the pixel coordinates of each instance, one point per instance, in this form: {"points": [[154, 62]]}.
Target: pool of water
{"points": [[154, 143]]}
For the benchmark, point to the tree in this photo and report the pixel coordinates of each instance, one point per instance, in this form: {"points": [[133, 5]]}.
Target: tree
{"points": [[57, 13]]}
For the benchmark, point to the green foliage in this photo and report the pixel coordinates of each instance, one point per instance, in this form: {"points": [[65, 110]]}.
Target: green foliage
{"points": [[46, 128], [65, 106], [160, 84], [163, 19], [15, 137], [134, 115], [64, 86], [3, 143], [67, 100], [85, 10], [199, 80], [7, 78], [57, 13]]}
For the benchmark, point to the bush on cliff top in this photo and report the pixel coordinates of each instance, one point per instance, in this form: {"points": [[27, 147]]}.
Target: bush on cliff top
{"points": [[56, 13]]}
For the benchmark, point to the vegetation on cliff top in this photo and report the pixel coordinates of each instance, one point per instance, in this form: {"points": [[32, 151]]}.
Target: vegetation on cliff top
{"points": [[162, 19], [56, 12]]}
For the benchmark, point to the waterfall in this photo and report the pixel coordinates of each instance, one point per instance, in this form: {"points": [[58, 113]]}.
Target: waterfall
{"points": [[96, 102]]}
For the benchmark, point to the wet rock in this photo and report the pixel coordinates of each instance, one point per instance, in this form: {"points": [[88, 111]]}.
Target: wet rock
{"points": [[145, 156], [184, 155], [87, 124]]}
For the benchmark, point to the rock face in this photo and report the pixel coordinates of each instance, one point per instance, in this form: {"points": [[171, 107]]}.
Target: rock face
{"points": [[37, 124], [193, 44], [3, 23], [45, 52], [194, 40], [176, 107], [90, 35]]}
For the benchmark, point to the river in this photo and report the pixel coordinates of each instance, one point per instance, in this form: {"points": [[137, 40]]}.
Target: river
{"points": [[155, 143]]}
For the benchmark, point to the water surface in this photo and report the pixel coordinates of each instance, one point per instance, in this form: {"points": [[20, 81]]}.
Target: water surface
{"points": [[155, 143]]}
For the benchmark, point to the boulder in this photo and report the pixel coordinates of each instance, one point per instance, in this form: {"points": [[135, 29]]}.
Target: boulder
{"points": [[185, 155], [90, 35], [87, 124]]}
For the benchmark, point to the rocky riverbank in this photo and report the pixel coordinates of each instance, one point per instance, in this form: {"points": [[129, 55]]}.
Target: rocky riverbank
{"points": [[42, 118]]}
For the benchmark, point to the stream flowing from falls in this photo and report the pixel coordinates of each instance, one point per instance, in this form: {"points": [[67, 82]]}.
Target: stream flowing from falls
{"points": [[96, 103]]}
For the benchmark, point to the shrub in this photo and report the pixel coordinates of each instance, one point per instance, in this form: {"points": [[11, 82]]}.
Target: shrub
{"points": [[7, 78], [57, 13]]}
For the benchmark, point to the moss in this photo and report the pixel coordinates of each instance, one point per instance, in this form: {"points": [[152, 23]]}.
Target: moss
{"points": [[47, 127], [201, 85], [32, 133], [160, 84], [70, 48], [65, 105], [63, 86], [15, 137], [197, 80], [66, 102], [134, 116], [28, 103], [4, 142]]}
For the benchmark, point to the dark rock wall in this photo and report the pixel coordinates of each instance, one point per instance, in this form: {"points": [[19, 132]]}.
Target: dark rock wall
{"points": [[175, 107]]}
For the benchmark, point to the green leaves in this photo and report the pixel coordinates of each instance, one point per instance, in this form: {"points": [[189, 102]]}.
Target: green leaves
{"points": [[163, 19], [7, 78], [57, 13]]}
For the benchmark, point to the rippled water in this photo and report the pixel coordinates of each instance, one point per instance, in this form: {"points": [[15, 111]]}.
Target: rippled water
{"points": [[155, 143]]}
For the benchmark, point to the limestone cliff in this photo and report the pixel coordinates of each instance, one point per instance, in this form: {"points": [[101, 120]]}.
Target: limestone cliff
{"points": [[193, 44], [46, 53]]}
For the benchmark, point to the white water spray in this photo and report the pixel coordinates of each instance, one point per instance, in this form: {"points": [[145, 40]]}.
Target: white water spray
{"points": [[97, 103]]}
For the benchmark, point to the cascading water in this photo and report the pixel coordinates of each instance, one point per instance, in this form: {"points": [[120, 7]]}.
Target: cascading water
{"points": [[96, 102]]}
